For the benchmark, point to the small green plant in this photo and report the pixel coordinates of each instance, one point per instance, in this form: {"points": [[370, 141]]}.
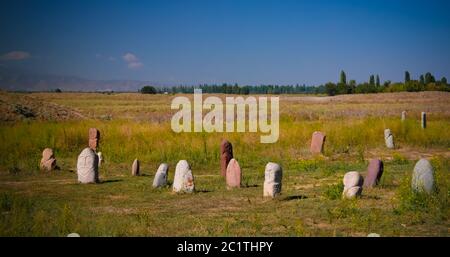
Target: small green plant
{"points": [[345, 209], [334, 192], [399, 159], [308, 165]]}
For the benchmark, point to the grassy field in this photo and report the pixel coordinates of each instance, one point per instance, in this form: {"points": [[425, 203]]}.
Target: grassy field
{"points": [[132, 126]]}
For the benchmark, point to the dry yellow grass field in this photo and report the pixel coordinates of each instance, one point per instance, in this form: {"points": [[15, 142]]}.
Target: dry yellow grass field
{"points": [[138, 126]]}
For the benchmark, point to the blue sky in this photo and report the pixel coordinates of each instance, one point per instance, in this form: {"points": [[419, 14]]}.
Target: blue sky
{"points": [[247, 41]]}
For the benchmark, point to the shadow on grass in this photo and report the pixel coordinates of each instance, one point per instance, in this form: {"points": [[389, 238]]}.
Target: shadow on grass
{"points": [[110, 181], [371, 197], [294, 197], [144, 175], [203, 191], [248, 186]]}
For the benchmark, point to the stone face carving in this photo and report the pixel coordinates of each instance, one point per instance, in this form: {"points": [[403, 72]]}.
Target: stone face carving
{"points": [[423, 120], [353, 183], [226, 154], [135, 168], [48, 161], [423, 177], [272, 180], [160, 179], [317, 142], [389, 139], [234, 174], [94, 138], [183, 180], [87, 166], [374, 173]]}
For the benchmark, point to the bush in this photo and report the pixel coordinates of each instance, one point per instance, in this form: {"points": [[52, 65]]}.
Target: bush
{"points": [[148, 90]]}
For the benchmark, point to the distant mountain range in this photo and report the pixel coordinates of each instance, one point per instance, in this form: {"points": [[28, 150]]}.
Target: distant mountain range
{"points": [[19, 80]]}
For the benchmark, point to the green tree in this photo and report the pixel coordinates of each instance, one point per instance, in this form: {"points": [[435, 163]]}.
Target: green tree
{"points": [[352, 86], [378, 81], [444, 80], [342, 89], [407, 77], [422, 79], [330, 88], [429, 78], [372, 80], [343, 78], [148, 90]]}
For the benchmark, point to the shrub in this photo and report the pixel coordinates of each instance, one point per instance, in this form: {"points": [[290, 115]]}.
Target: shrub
{"points": [[148, 90]]}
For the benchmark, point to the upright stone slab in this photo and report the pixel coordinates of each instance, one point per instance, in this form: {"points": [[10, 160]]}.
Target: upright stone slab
{"points": [[234, 175], [87, 167], [374, 173], [317, 142], [423, 120], [48, 161], [161, 175], [135, 168], [403, 115], [183, 180], [94, 138], [423, 177], [389, 139], [226, 154], [272, 180], [353, 183]]}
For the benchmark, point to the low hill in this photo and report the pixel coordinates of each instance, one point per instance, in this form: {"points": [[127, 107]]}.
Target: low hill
{"points": [[16, 107]]}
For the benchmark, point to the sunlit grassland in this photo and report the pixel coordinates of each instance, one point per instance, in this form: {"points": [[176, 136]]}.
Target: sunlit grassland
{"points": [[39, 203]]}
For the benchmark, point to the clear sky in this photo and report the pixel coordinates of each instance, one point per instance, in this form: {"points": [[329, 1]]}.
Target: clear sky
{"points": [[248, 42]]}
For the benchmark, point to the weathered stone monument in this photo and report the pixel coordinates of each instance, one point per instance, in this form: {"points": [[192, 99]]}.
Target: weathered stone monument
{"points": [[48, 161], [87, 166], [374, 173], [423, 122], [423, 177], [403, 115], [353, 183], [234, 174], [94, 138], [183, 180], [317, 142], [389, 139], [272, 179], [160, 179], [226, 154], [135, 168]]}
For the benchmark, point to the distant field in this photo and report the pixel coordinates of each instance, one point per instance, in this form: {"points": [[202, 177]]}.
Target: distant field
{"points": [[138, 126]]}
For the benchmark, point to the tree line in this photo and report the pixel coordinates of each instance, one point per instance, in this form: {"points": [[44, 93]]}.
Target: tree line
{"points": [[426, 82]]}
